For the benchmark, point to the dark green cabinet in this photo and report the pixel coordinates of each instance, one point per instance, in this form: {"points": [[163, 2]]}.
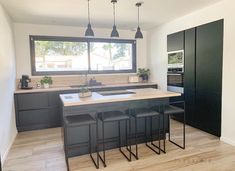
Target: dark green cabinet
{"points": [[190, 75], [209, 51], [175, 41], [203, 50]]}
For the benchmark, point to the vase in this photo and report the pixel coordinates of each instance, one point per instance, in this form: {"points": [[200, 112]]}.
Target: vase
{"points": [[46, 85], [145, 78]]}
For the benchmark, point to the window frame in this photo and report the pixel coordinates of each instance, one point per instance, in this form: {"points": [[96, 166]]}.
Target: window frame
{"points": [[33, 38]]}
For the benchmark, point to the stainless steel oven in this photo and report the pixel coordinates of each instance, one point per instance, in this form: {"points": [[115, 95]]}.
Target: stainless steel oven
{"points": [[175, 72]]}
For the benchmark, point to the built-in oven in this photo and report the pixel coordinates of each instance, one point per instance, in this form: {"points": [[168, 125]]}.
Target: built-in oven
{"points": [[175, 72]]}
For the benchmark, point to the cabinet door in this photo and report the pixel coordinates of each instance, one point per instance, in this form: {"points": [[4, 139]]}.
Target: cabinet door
{"points": [[209, 53], [175, 41], [189, 75]]}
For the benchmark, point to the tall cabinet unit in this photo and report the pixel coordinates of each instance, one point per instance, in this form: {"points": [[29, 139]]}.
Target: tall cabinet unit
{"points": [[190, 75], [209, 53], [203, 50]]}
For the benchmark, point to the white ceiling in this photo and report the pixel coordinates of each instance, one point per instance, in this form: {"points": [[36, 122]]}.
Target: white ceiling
{"points": [[74, 12]]}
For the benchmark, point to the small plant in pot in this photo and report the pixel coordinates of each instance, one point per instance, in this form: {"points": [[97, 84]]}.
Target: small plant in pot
{"points": [[84, 92], [144, 74], [46, 81]]}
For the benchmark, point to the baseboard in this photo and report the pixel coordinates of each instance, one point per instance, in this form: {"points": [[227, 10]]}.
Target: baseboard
{"points": [[4, 156], [228, 141]]}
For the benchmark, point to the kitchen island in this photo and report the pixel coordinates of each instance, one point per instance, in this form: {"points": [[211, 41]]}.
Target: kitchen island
{"points": [[76, 138]]}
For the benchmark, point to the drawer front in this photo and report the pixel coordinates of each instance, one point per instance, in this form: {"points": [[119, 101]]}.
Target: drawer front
{"points": [[34, 117], [32, 101]]}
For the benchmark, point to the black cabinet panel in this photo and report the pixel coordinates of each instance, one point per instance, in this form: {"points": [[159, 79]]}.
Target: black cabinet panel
{"points": [[209, 50], [209, 53], [175, 41], [190, 58], [208, 112], [32, 101], [190, 75]]}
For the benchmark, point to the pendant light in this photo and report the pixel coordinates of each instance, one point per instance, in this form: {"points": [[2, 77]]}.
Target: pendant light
{"points": [[114, 32], [89, 32], [138, 34]]}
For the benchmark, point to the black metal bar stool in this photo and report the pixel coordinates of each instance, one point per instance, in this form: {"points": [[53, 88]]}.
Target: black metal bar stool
{"points": [[83, 120], [171, 110], [147, 113], [111, 117]]}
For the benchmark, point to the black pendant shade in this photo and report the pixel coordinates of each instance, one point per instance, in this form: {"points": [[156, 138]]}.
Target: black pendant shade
{"points": [[89, 32], [138, 34], [114, 32]]}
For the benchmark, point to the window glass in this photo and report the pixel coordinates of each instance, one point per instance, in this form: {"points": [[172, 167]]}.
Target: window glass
{"points": [[61, 56], [110, 56]]}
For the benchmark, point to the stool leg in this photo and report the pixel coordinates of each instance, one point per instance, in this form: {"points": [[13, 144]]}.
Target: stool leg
{"points": [[183, 147], [103, 146], [169, 127], [96, 164], [119, 135], [145, 130], [136, 145], [151, 136], [164, 131], [104, 161], [65, 148], [129, 140]]}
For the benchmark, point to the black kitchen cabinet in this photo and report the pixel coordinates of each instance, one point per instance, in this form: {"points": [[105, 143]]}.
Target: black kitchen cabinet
{"points": [[190, 75], [175, 41], [42, 110], [203, 51], [209, 53]]}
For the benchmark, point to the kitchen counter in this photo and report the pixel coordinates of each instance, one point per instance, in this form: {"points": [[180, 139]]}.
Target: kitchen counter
{"points": [[61, 88], [115, 96]]}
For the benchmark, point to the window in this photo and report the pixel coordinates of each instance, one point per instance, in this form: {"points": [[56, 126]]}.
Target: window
{"points": [[67, 55]]}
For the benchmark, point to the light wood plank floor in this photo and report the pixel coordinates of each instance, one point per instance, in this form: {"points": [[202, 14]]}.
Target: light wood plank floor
{"points": [[43, 151]]}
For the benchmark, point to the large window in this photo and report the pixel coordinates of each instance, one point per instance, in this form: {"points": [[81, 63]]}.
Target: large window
{"points": [[66, 55]]}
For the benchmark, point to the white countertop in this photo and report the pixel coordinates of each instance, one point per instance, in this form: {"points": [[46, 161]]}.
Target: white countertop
{"points": [[61, 88], [139, 94]]}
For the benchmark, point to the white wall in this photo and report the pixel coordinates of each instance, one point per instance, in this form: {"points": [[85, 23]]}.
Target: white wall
{"points": [[7, 84], [22, 32], [157, 59]]}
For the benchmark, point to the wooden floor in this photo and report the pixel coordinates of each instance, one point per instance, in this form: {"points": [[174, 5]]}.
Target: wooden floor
{"points": [[42, 151]]}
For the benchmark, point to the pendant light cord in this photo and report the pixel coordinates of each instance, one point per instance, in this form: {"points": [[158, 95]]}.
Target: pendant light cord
{"points": [[89, 12], [138, 16], [114, 19]]}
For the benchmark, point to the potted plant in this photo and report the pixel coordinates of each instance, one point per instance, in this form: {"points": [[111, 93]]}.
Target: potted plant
{"points": [[144, 74], [84, 92], [46, 81]]}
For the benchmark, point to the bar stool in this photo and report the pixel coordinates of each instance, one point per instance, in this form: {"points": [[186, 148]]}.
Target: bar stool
{"points": [[147, 113], [83, 120], [111, 117], [170, 110]]}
